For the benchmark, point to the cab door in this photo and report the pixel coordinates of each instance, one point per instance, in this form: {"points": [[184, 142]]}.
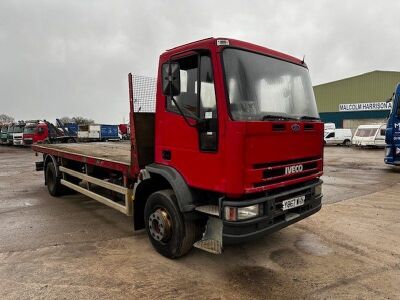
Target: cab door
{"points": [[190, 142]]}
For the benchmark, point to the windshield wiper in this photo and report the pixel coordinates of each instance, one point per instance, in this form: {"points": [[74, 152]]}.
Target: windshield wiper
{"points": [[308, 118], [276, 117]]}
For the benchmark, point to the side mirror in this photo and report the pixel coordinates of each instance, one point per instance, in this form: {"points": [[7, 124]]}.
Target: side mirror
{"points": [[171, 79]]}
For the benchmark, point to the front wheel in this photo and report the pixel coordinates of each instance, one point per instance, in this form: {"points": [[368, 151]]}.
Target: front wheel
{"points": [[170, 234], [347, 143]]}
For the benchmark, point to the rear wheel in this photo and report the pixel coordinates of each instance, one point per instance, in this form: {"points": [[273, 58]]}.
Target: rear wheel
{"points": [[53, 182], [347, 143], [170, 234]]}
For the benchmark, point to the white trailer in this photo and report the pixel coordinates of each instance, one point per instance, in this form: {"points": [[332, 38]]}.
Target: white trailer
{"points": [[370, 136]]}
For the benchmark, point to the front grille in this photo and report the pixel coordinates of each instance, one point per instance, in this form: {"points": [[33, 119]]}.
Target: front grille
{"points": [[277, 172]]}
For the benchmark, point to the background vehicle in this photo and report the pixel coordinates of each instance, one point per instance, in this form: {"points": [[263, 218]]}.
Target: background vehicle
{"points": [[45, 132], [98, 132], [329, 127], [177, 177], [370, 136], [392, 139], [3, 134], [338, 136], [10, 134], [18, 130]]}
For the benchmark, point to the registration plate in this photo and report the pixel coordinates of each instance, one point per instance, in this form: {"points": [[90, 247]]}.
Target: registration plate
{"points": [[292, 203]]}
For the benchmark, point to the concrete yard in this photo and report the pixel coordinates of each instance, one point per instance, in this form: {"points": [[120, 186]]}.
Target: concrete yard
{"points": [[72, 247]]}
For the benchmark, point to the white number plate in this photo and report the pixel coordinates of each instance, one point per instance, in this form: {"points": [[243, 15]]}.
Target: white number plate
{"points": [[294, 202]]}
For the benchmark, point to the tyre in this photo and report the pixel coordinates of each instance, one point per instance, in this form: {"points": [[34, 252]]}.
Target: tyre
{"points": [[53, 182], [166, 227], [347, 143]]}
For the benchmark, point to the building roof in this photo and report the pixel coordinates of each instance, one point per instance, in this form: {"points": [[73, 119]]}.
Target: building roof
{"points": [[375, 86]]}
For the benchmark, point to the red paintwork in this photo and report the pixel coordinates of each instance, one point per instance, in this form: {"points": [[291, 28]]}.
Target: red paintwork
{"points": [[36, 136], [241, 145], [123, 128], [134, 169]]}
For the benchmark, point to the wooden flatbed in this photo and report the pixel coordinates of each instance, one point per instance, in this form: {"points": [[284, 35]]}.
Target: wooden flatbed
{"points": [[115, 156]]}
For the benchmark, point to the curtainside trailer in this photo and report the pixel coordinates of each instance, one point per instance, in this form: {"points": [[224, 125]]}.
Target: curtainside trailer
{"points": [[232, 149]]}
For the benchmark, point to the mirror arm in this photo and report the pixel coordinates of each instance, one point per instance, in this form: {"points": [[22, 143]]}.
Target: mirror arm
{"points": [[183, 115]]}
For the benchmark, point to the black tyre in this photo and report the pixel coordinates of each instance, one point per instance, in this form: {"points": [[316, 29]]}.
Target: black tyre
{"points": [[347, 143], [166, 227], [53, 182]]}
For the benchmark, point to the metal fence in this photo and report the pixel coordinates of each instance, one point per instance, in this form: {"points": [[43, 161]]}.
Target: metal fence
{"points": [[144, 93]]}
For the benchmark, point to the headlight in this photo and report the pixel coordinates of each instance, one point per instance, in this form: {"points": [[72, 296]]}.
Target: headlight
{"points": [[241, 213], [318, 190]]}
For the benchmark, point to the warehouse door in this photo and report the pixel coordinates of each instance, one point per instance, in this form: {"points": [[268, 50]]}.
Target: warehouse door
{"points": [[354, 123]]}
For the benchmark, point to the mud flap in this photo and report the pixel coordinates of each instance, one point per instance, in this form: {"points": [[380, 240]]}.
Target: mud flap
{"points": [[212, 237]]}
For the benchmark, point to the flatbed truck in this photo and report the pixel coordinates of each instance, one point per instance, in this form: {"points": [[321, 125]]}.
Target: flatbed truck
{"points": [[233, 151]]}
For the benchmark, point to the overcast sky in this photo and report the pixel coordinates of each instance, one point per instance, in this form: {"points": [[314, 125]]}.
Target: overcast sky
{"points": [[67, 58]]}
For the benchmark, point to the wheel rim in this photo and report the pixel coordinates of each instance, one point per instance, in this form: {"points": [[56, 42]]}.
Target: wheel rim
{"points": [[160, 225]]}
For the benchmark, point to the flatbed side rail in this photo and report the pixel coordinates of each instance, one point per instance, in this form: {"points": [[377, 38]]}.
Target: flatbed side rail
{"points": [[126, 209]]}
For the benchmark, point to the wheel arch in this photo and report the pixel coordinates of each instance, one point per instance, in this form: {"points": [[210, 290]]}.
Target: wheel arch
{"points": [[161, 177], [50, 158]]}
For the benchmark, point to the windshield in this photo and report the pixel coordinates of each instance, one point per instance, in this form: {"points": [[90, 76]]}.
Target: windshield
{"points": [[18, 129], [261, 87], [29, 129]]}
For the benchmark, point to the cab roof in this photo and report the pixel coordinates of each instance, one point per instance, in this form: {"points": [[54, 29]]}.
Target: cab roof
{"points": [[212, 42]]}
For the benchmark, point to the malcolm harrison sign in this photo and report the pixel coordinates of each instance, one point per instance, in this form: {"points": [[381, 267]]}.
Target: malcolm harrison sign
{"points": [[365, 106]]}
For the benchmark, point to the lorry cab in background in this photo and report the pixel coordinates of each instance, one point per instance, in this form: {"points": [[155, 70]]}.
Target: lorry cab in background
{"points": [[3, 134], [392, 138], [339, 136], [18, 134], [29, 132]]}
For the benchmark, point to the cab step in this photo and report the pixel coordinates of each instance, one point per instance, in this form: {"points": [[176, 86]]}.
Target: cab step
{"points": [[212, 237]]}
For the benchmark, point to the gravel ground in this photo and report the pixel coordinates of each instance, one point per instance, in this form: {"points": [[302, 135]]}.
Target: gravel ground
{"points": [[73, 247]]}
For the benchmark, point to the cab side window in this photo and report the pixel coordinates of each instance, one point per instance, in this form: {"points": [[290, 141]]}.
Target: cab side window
{"points": [[195, 99], [187, 99]]}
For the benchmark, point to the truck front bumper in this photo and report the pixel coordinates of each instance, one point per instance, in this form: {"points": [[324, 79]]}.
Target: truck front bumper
{"points": [[274, 217], [392, 154]]}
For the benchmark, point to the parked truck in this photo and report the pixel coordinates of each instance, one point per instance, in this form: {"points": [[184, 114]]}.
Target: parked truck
{"points": [[392, 138], [3, 134], [45, 132], [18, 131], [233, 151]]}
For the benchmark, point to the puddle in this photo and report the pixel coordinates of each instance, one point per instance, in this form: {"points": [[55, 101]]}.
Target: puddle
{"points": [[313, 245]]}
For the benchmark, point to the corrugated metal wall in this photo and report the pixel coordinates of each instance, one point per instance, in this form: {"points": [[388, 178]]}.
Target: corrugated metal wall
{"points": [[375, 86]]}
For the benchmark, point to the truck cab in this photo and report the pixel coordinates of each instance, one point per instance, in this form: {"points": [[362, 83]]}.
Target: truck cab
{"points": [[18, 134], [392, 138], [3, 134], [10, 134], [30, 130]]}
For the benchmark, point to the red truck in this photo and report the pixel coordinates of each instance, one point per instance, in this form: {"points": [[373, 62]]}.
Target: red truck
{"points": [[37, 132], [233, 151]]}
